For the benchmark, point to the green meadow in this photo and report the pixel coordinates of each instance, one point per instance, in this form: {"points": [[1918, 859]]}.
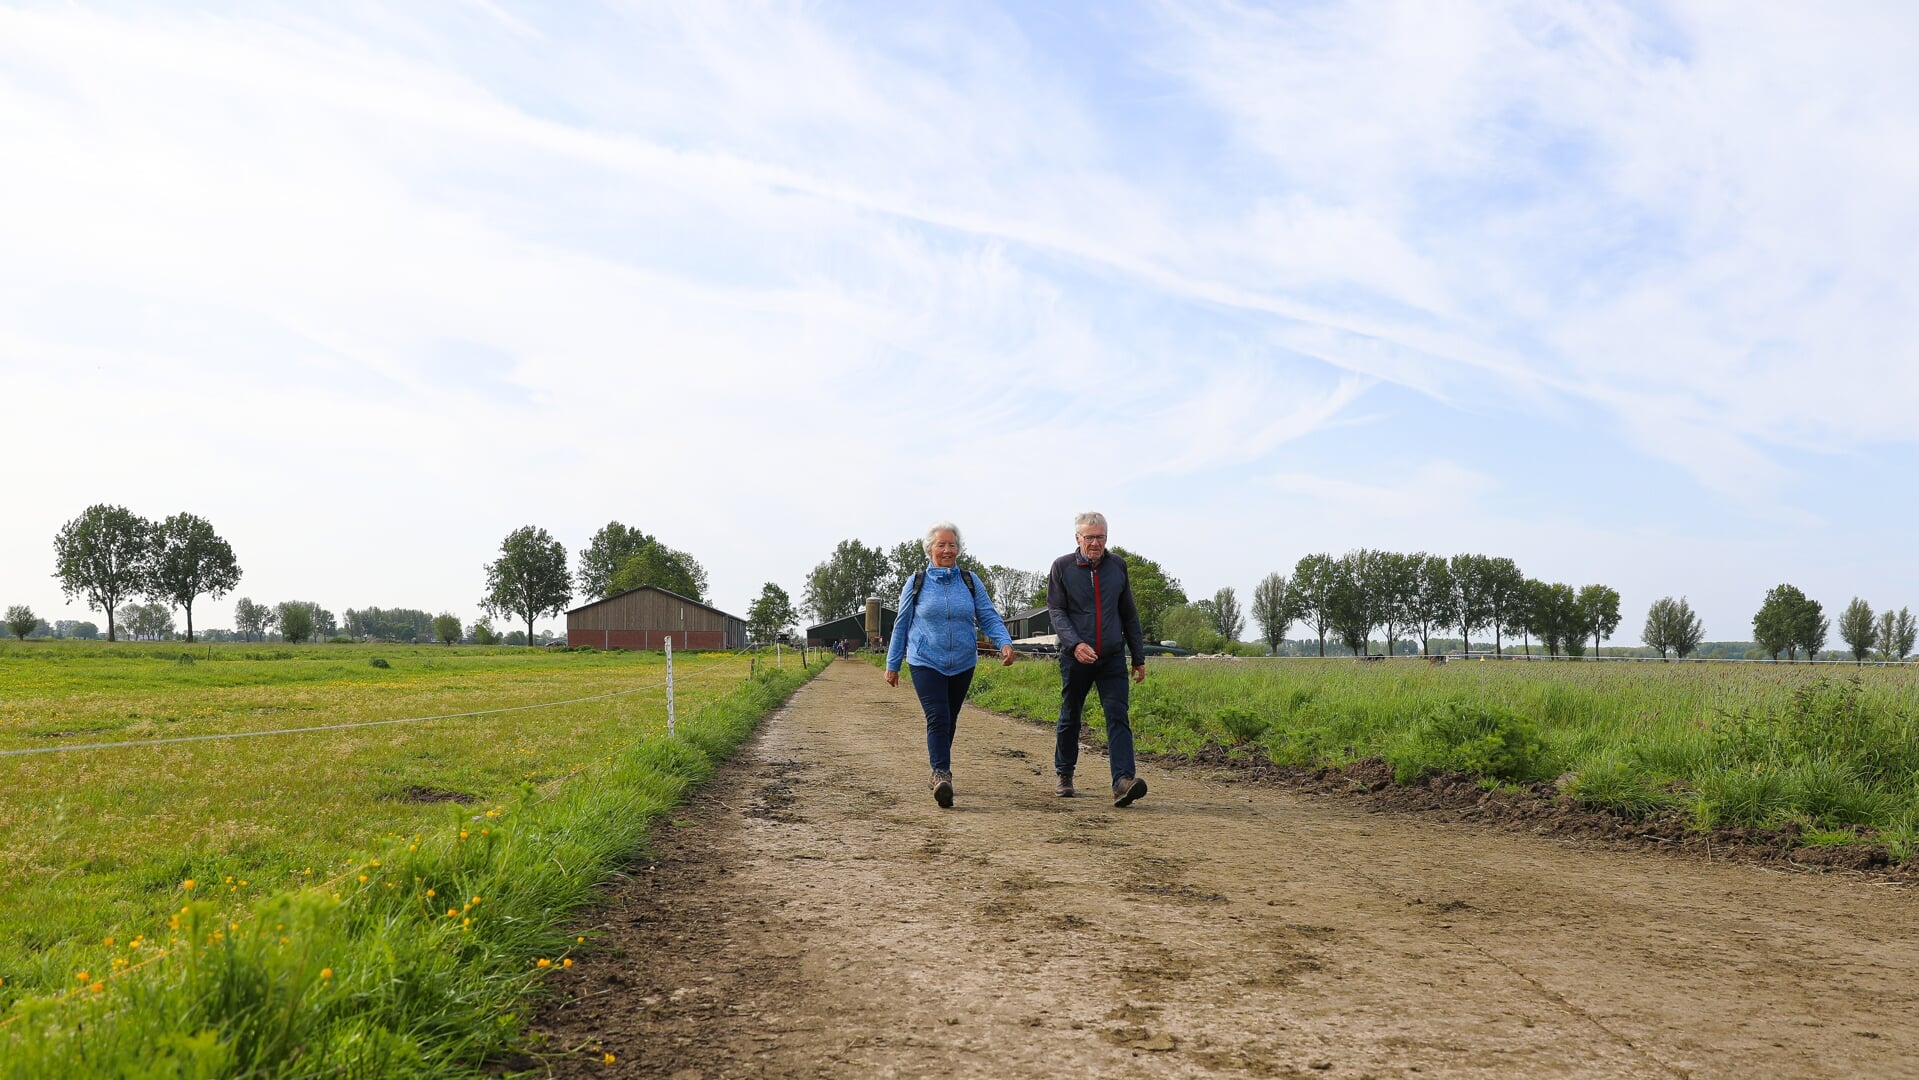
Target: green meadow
{"points": [[370, 901], [1834, 750]]}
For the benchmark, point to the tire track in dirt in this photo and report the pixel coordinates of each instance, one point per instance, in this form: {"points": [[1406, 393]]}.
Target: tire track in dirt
{"points": [[813, 913]]}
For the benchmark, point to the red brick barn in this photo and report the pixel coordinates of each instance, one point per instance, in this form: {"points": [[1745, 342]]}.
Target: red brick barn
{"points": [[643, 618]]}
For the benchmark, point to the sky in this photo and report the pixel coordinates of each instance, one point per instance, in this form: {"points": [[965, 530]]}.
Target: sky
{"points": [[1626, 292]]}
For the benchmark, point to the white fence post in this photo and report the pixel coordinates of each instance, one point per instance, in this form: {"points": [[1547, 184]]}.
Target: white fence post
{"points": [[669, 686], [779, 658]]}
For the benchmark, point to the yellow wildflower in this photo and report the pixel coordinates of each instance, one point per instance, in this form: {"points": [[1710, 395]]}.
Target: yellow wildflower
{"points": [[326, 973], [543, 962]]}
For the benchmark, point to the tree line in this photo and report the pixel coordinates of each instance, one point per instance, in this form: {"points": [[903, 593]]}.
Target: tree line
{"points": [[109, 555]]}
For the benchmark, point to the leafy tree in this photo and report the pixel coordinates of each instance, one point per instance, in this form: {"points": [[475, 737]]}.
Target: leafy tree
{"points": [[390, 624], [189, 559], [908, 557], [842, 583], [1856, 629], [1903, 635], [252, 618], [79, 630], [295, 618], [1504, 592], [105, 555], [662, 567], [1393, 585], [1809, 628], [1668, 621], [529, 579], [484, 634], [1272, 610], [1155, 592], [1353, 606], [1229, 619], [1312, 594], [1193, 627], [1774, 626], [1556, 617], [1688, 631], [21, 620], [1598, 613], [770, 614], [605, 555], [1471, 607], [1010, 587], [1523, 616], [1432, 598], [447, 628]]}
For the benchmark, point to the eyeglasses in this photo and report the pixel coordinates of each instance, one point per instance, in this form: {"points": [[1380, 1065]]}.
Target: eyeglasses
{"points": [[1096, 538]]}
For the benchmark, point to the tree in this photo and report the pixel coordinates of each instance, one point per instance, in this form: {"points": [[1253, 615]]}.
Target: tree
{"points": [[1598, 613], [1312, 594], [1272, 610], [1556, 617], [605, 555], [1010, 587], [1661, 625], [1470, 605], [842, 583], [1774, 625], [1688, 631], [1504, 590], [1904, 634], [529, 578], [296, 620], [21, 621], [1393, 582], [484, 634], [1155, 592], [1229, 619], [1193, 627], [770, 614], [1432, 605], [252, 618], [1523, 618], [189, 558], [1809, 628], [908, 557], [1353, 606], [662, 567], [389, 624], [105, 555], [1857, 630], [446, 627]]}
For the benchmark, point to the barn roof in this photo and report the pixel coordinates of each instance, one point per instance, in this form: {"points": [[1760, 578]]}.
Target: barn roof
{"points": [[657, 589]]}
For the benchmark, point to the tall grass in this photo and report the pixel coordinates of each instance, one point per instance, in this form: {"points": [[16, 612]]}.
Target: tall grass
{"points": [[411, 958], [1754, 745]]}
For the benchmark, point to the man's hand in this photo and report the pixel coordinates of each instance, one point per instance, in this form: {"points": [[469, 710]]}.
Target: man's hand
{"points": [[1006, 656], [1139, 673], [892, 678], [1084, 653]]}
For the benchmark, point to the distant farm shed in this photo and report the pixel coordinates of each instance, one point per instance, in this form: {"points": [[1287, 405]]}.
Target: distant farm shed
{"points": [[850, 628], [645, 617]]}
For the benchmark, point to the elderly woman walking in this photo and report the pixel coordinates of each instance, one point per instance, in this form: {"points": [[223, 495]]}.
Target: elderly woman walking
{"points": [[938, 610]]}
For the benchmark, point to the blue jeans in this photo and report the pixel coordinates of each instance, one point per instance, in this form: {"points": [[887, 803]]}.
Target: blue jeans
{"points": [[1110, 675], [940, 699]]}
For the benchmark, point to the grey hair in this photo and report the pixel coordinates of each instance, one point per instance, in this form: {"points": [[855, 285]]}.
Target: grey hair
{"points": [[933, 531], [1090, 517]]}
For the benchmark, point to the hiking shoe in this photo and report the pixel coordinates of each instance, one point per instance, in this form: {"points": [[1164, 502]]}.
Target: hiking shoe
{"points": [[942, 785], [1064, 787], [1126, 789]]}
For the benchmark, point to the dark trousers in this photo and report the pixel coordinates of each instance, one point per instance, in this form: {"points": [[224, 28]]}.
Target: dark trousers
{"points": [[940, 698], [1109, 674]]}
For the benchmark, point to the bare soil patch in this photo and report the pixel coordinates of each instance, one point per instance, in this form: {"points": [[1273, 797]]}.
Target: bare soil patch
{"points": [[813, 913]]}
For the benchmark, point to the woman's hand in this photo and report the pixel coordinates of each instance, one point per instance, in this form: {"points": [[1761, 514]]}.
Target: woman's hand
{"points": [[1006, 656], [892, 678]]}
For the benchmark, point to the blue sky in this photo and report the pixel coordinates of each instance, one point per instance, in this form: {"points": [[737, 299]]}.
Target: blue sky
{"points": [[1624, 292]]}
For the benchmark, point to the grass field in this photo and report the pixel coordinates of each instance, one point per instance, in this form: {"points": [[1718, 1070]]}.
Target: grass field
{"points": [[292, 885], [1834, 750]]}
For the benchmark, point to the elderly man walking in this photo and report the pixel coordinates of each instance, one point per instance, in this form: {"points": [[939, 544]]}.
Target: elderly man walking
{"points": [[1090, 600]]}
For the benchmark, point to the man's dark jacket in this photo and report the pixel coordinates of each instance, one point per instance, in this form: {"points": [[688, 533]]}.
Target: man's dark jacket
{"points": [[1094, 604]]}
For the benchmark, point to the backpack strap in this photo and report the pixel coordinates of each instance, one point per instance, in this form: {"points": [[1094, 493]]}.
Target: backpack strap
{"points": [[919, 582]]}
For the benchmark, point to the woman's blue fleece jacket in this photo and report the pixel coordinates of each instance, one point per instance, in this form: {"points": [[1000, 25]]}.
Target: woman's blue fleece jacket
{"points": [[937, 631]]}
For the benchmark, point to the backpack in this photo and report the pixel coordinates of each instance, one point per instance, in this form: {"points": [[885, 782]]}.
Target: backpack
{"points": [[919, 582]]}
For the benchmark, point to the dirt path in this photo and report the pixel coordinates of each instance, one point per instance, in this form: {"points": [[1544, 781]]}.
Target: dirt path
{"points": [[813, 913]]}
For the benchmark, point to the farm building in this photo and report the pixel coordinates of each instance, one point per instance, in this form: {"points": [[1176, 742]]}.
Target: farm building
{"points": [[1030, 622], [851, 627], [643, 618]]}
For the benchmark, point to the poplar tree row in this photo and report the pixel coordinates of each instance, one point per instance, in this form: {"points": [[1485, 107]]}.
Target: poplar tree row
{"points": [[1422, 595]]}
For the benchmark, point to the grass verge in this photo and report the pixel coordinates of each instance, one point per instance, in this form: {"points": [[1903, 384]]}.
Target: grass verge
{"points": [[412, 961]]}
